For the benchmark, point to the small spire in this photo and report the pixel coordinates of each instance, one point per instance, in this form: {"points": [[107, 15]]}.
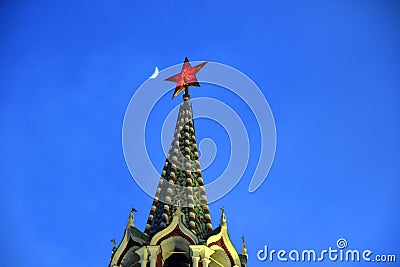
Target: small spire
{"points": [[131, 217], [223, 217], [114, 246], [244, 249]]}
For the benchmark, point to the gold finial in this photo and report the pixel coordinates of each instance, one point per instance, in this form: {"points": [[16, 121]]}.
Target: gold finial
{"points": [[244, 249], [223, 217], [114, 246], [131, 218], [186, 95]]}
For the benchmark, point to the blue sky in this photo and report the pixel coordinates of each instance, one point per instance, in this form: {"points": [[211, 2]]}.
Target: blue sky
{"points": [[330, 71]]}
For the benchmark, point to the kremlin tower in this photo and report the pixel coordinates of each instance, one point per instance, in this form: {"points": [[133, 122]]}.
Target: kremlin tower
{"points": [[179, 231]]}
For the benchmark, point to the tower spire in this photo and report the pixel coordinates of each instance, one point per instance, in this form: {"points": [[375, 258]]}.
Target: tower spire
{"points": [[181, 183], [178, 230]]}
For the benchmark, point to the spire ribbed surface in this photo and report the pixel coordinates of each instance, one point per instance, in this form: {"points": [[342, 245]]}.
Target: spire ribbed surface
{"points": [[181, 182]]}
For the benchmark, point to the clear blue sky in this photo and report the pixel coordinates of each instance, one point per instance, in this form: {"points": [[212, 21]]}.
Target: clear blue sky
{"points": [[330, 71]]}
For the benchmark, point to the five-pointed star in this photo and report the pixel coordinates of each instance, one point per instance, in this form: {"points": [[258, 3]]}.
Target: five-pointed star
{"points": [[187, 77]]}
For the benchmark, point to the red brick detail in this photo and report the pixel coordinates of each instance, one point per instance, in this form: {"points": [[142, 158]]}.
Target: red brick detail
{"points": [[159, 260], [130, 244], [176, 232]]}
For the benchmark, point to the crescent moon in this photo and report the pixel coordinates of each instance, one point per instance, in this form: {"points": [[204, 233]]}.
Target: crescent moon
{"points": [[155, 74]]}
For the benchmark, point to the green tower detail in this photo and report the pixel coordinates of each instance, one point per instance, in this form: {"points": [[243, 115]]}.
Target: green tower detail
{"points": [[181, 182]]}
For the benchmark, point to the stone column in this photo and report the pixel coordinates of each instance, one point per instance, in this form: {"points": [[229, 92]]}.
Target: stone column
{"points": [[206, 262], [201, 251], [143, 263], [207, 252], [195, 261], [197, 251], [143, 254], [153, 250]]}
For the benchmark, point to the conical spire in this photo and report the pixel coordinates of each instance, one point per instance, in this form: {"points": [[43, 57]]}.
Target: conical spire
{"points": [[181, 182]]}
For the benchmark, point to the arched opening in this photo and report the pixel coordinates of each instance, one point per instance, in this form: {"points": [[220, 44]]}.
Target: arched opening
{"points": [[177, 260]]}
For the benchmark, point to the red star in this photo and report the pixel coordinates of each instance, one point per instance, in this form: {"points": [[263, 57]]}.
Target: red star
{"points": [[186, 78]]}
